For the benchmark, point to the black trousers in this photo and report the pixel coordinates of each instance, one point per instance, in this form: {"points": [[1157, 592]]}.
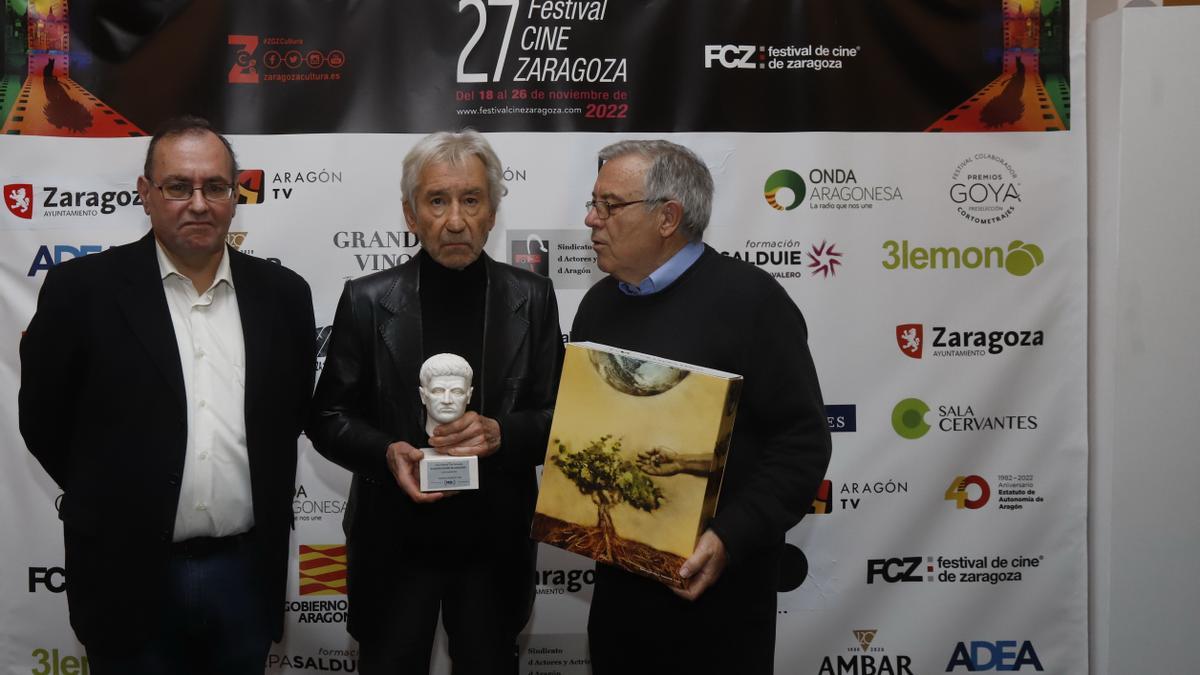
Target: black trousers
{"points": [[477, 613], [639, 626]]}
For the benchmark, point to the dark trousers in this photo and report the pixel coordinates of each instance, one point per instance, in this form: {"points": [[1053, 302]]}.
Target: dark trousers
{"points": [[639, 626], [477, 613], [212, 622]]}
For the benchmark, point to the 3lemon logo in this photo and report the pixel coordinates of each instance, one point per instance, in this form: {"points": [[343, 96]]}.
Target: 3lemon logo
{"points": [[781, 185], [908, 418], [1022, 258], [1019, 259]]}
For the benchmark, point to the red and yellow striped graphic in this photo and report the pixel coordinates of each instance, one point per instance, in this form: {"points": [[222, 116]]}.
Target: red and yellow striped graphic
{"points": [[322, 569]]}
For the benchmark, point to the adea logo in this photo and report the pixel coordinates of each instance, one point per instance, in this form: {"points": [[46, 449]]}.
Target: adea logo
{"points": [[48, 256], [1000, 655], [823, 502], [18, 197], [1019, 259], [958, 492], [532, 254], [985, 189], [251, 186], [784, 190], [322, 569], [910, 338], [908, 418]]}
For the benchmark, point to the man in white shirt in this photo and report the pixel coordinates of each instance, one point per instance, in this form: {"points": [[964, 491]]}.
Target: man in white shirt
{"points": [[163, 385]]}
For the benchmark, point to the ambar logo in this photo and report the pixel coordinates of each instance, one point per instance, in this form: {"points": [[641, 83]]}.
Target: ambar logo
{"points": [[322, 569], [784, 190]]}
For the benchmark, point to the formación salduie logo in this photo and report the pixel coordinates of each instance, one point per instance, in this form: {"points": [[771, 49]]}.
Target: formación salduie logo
{"points": [[1019, 258], [784, 190]]}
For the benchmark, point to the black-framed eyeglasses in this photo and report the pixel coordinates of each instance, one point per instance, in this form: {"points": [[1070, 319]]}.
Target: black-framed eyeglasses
{"points": [[179, 191], [604, 209]]}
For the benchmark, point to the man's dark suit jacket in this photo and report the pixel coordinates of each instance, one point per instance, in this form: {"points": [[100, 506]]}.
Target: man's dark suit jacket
{"points": [[367, 399], [102, 407]]}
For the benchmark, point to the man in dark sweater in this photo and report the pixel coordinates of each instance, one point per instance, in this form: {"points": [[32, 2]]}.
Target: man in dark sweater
{"points": [[413, 553], [669, 294]]}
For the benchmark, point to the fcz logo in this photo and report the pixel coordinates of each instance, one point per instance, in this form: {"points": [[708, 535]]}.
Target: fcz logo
{"points": [[894, 569], [730, 56], [245, 66], [53, 578]]}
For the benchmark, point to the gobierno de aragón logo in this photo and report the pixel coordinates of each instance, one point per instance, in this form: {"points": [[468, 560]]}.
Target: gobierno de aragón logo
{"points": [[1019, 258]]}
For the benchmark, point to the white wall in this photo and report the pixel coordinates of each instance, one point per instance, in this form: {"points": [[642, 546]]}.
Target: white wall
{"points": [[1144, 89]]}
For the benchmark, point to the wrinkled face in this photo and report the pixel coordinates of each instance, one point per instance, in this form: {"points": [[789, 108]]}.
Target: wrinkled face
{"points": [[193, 229], [628, 243], [446, 397], [451, 212]]}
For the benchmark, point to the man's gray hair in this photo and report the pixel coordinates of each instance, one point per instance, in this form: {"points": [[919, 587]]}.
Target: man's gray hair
{"points": [[675, 173], [445, 365], [453, 148]]}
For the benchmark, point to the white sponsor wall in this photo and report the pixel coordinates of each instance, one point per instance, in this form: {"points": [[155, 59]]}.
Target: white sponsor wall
{"points": [[954, 547]]}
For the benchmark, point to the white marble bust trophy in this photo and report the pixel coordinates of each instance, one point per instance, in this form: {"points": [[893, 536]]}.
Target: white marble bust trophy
{"points": [[445, 390]]}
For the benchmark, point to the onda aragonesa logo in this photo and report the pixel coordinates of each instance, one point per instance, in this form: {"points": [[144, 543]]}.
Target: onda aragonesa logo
{"points": [[784, 190]]}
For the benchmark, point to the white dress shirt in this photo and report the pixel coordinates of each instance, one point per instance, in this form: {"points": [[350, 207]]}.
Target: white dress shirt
{"points": [[214, 494]]}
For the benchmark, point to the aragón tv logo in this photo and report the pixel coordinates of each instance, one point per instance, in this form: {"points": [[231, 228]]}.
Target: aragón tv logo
{"points": [[1019, 258]]}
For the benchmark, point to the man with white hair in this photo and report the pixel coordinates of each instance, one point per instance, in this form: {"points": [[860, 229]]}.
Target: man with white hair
{"points": [[669, 294], [412, 553]]}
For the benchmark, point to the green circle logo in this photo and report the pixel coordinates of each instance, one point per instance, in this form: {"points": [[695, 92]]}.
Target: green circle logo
{"points": [[1022, 258], [781, 179], [908, 418]]}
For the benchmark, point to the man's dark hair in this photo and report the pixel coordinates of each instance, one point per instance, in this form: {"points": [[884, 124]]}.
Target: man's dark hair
{"points": [[184, 125]]}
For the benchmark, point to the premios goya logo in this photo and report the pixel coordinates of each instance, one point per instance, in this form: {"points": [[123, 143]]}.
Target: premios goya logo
{"points": [[985, 189], [322, 569], [1019, 258], [866, 656], [1001, 655], [908, 419], [784, 190]]}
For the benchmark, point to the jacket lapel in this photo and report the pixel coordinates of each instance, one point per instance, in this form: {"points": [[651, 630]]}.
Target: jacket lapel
{"points": [[504, 331], [144, 305]]}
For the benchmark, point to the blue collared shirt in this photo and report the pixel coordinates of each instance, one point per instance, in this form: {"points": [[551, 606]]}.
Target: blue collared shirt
{"points": [[669, 271]]}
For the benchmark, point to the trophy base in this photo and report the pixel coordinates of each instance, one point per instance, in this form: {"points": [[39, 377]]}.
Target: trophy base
{"points": [[446, 472]]}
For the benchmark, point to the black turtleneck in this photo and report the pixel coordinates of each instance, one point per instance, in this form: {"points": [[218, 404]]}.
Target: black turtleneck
{"points": [[452, 303]]}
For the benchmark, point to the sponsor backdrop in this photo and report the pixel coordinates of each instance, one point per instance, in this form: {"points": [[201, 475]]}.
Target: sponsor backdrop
{"points": [[914, 178]]}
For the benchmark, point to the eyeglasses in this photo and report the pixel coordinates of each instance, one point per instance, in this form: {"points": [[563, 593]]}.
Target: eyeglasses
{"points": [[605, 209], [178, 191]]}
